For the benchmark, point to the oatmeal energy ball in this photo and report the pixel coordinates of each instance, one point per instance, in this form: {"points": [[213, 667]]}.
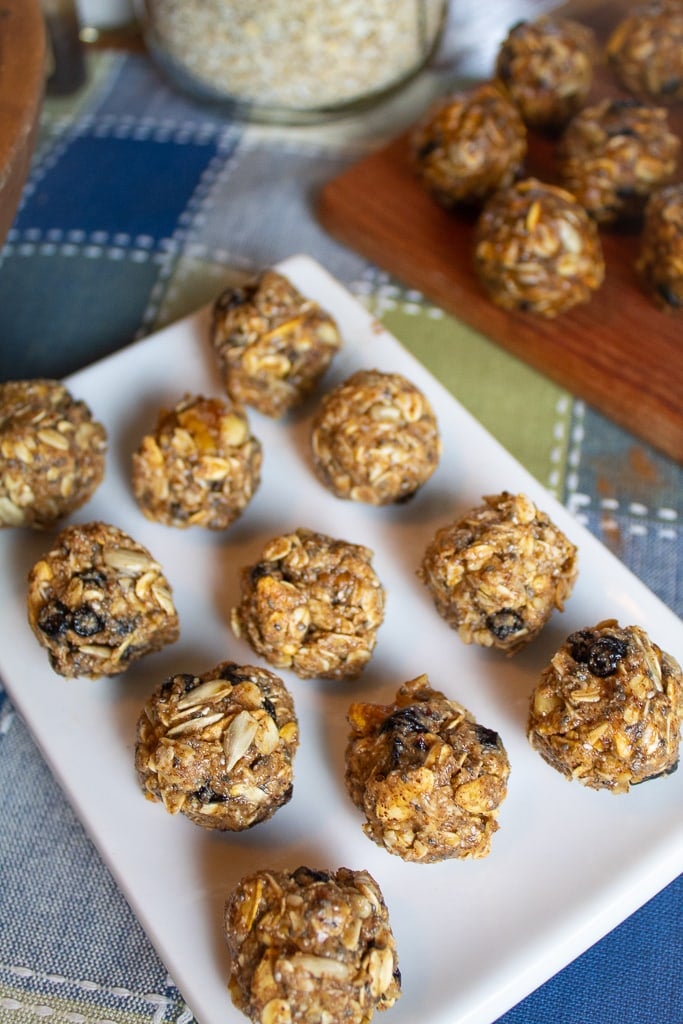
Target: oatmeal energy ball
{"points": [[537, 250], [98, 601], [219, 747], [311, 945], [273, 344], [497, 574], [428, 778], [52, 453], [614, 154], [469, 144], [607, 710], [546, 66], [200, 467], [375, 439], [312, 604], [660, 262], [645, 51]]}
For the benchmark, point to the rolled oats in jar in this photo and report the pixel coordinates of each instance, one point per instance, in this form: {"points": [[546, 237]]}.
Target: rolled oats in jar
{"points": [[291, 60]]}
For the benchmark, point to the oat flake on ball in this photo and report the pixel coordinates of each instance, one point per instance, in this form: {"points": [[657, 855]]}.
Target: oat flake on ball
{"points": [[660, 261], [311, 603], [536, 250], [497, 573], [614, 154], [311, 946], [52, 453], [428, 778], [272, 343], [468, 144], [98, 601], [219, 747], [200, 466], [645, 51], [375, 439], [607, 710], [546, 65]]}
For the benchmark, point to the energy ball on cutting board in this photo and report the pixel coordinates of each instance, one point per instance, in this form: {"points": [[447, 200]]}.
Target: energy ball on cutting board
{"points": [[536, 250], [427, 777], [607, 710], [273, 344], [311, 945], [200, 466], [614, 154], [375, 439], [312, 604], [98, 601], [497, 573], [468, 144], [52, 453], [547, 66], [219, 747], [660, 262], [645, 51]]}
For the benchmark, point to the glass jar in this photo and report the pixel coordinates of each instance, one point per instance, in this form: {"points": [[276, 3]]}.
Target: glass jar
{"points": [[292, 61]]}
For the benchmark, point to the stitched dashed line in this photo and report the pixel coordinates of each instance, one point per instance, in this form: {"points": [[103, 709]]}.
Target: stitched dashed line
{"points": [[146, 129], [201, 203], [386, 296], [636, 508], [85, 985], [575, 501], [117, 245], [6, 714], [42, 1011], [219, 170], [190, 218], [666, 519], [90, 251], [556, 453]]}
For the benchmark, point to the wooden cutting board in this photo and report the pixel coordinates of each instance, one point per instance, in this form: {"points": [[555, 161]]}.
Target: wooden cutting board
{"points": [[618, 352], [22, 76]]}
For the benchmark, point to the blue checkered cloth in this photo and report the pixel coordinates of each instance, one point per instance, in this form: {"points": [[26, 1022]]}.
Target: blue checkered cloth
{"points": [[139, 206]]}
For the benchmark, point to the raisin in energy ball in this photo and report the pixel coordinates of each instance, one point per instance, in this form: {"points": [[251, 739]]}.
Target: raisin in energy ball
{"points": [[614, 154], [607, 710], [312, 604], [52, 453], [645, 51], [311, 945], [272, 343], [98, 601], [660, 262], [537, 250], [497, 574], [546, 65], [200, 466], [219, 747], [375, 439], [468, 144], [428, 778]]}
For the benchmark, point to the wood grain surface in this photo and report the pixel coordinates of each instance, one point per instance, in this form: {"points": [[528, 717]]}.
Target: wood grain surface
{"points": [[618, 352], [22, 76]]}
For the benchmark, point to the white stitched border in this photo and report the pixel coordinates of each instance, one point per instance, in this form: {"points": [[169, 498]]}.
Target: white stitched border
{"points": [[156, 999], [556, 453], [666, 519], [42, 1011]]}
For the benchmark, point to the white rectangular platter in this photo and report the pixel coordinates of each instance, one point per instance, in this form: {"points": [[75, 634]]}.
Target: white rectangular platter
{"points": [[473, 937]]}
